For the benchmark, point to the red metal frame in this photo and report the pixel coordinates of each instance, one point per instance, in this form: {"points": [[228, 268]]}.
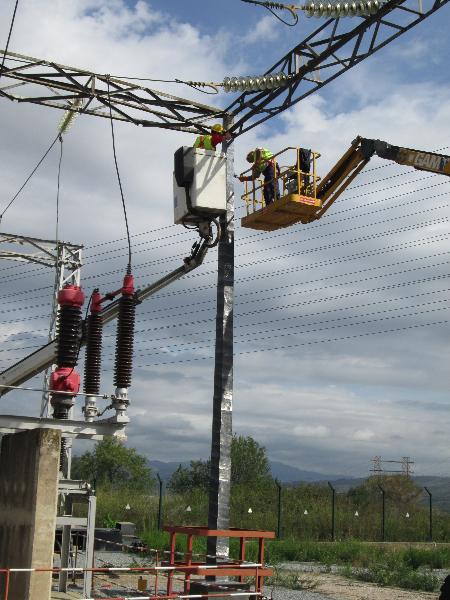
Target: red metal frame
{"points": [[227, 568]]}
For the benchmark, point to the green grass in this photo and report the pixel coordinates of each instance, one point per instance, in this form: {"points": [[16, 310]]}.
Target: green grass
{"points": [[384, 565], [395, 573]]}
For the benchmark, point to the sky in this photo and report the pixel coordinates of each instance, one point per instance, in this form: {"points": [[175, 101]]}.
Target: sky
{"points": [[341, 326]]}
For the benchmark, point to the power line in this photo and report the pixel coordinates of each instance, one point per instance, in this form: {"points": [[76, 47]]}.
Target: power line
{"points": [[312, 266], [29, 177], [303, 344], [315, 265], [251, 335], [259, 236], [9, 38], [282, 257]]}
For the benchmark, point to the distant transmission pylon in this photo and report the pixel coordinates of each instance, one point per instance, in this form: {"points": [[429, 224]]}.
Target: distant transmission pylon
{"points": [[378, 466]]}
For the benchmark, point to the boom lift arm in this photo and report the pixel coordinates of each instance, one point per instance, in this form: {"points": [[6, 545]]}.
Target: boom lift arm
{"points": [[304, 197], [357, 157], [43, 358]]}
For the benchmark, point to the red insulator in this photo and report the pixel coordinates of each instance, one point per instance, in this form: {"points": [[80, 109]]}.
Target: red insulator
{"points": [[65, 379], [128, 285], [71, 295], [96, 302]]}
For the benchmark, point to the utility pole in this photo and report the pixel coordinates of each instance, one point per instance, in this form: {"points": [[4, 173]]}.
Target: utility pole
{"points": [[222, 430]]}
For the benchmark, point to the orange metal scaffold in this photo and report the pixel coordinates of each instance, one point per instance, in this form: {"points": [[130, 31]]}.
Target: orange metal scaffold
{"points": [[226, 567]]}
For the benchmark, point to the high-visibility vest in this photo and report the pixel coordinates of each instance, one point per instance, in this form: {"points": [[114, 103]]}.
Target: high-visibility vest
{"points": [[266, 157], [204, 142]]}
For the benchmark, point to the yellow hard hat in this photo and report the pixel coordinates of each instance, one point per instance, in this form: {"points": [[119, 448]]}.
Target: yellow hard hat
{"points": [[218, 128]]}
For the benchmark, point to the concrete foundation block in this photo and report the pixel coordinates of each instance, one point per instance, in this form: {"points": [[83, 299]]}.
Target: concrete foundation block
{"points": [[29, 471]]}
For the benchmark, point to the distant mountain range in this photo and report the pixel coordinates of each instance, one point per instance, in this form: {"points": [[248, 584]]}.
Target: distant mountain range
{"points": [[284, 473], [438, 486]]}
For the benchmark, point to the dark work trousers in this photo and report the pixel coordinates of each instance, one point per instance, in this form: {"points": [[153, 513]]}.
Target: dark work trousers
{"points": [[271, 187], [445, 589]]}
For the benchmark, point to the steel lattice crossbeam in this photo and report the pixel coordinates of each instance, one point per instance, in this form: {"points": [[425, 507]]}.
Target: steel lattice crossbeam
{"points": [[43, 252], [331, 50], [32, 80]]}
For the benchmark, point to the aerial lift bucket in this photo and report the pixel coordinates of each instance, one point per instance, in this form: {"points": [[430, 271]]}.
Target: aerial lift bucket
{"points": [[298, 202]]}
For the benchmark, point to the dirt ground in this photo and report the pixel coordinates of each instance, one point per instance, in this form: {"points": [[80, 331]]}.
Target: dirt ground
{"points": [[342, 588], [326, 585]]}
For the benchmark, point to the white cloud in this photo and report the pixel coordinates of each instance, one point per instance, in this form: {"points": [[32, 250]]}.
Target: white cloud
{"points": [[363, 435], [264, 32], [316, 431], [298, 289]]}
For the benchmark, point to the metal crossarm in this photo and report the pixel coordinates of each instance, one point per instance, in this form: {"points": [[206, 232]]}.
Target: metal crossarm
{"points": [[32, 80], [334, 48], [42, 252]]}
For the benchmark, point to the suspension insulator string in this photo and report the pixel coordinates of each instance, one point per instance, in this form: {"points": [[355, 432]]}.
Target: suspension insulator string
{"points": [[326, 9]]}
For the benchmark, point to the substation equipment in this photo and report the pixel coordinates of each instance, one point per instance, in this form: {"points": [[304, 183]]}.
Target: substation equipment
{"points": [[336, 46], [199, 201]]}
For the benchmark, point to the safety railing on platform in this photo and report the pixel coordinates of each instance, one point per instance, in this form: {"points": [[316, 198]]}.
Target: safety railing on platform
{"points": [[293, 178]]}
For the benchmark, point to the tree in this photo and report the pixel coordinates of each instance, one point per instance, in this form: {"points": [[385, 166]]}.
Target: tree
{"points": [[186, 479], [402, 490], [249, 465], [249, 461], [112, 464]]}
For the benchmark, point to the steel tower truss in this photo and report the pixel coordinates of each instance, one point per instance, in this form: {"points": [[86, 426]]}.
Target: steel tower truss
{"points": [[331, 50], [37, 81]]}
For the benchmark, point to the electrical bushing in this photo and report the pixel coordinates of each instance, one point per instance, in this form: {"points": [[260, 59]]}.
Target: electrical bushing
{"points": [[71, 295], [65, 378], [125, 335], [123, 364], [93, 356]]}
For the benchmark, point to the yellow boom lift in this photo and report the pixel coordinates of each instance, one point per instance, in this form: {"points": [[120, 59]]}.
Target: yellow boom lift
{"points": [[305, 197]]}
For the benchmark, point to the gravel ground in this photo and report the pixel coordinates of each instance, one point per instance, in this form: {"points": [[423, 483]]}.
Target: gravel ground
{"points": [[326, 583]]}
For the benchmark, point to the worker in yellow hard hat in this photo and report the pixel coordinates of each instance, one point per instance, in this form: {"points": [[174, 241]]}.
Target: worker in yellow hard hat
{"points": [[213, 139], [264, 164]]}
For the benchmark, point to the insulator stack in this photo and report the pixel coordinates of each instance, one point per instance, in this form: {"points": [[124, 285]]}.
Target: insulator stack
{"points": [[124, 342], [255, 83], [342, 9], [125, 335], [68, 335], [93, 356], [65, 379]]}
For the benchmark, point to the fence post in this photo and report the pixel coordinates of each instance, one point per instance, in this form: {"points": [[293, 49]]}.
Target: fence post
{"points": [[383, 514], [333, 513], [278, 484], [430, 498], [160, 501]]}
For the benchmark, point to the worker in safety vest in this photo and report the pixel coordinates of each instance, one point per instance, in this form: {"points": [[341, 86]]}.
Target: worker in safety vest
{"points": [[211, 141], [264, 164]]}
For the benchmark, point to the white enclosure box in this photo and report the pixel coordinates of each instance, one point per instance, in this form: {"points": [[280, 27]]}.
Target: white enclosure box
{"points": [[199, 184]]}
